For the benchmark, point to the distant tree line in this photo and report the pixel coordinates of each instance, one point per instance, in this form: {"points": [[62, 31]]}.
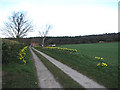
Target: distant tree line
{"points": [[108, 37]]}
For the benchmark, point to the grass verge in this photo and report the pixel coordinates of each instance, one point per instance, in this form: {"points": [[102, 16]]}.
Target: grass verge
{"points": [[59, 75], [107, 76], [16, 75]]}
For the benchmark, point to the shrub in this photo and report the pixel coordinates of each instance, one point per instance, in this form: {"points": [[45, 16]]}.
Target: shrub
{"points": [[10, 50]]}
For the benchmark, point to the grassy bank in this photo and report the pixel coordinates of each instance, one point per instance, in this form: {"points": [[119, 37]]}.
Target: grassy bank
{"points": [[60, 76], [107, 76], [15, 74]]}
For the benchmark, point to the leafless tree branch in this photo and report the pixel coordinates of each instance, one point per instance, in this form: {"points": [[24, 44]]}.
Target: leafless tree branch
{"points": [[44, 33], [17, 25]]}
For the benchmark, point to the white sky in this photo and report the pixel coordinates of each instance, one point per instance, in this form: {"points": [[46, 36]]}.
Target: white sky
{"points": [[68, 17]]}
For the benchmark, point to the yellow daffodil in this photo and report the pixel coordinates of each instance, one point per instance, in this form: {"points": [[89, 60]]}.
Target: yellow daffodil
{"points": [[24, 61], [63, 49], [98, 64], [104, 64], [22, 54], [101, 63]]}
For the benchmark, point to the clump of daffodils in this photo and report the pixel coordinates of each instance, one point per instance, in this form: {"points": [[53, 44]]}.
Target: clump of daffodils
{"points": [[101, 63], [22, 54], [62, 49]]}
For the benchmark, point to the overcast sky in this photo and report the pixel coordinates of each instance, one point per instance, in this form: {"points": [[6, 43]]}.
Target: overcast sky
{"points": [[68, 17]]}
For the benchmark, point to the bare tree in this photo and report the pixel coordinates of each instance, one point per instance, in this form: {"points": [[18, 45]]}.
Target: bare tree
{"points": [[17, 25], [44, 32]]}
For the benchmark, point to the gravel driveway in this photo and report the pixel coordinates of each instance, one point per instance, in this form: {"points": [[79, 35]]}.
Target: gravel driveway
{"points": [[45, 78], [78, 77]]}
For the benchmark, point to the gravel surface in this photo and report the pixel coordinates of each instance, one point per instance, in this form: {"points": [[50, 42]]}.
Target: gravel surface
{"points": [[45, 78]]}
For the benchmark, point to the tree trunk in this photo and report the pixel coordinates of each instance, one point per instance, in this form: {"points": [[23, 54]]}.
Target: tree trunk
{"points": [[43, 41]]}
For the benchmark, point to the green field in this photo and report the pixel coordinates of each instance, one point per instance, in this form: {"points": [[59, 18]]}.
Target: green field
{"points": [[109, 51], [84, 62]]}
